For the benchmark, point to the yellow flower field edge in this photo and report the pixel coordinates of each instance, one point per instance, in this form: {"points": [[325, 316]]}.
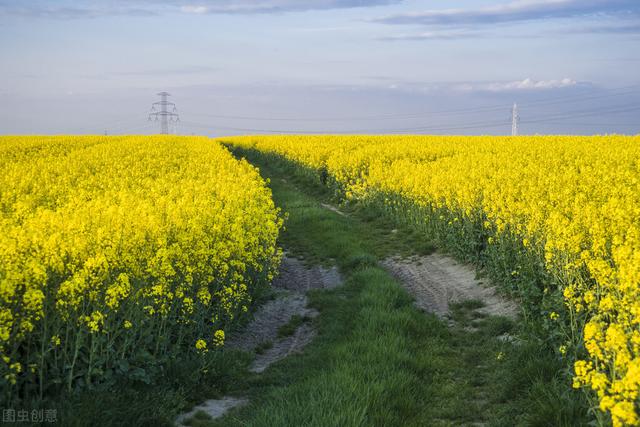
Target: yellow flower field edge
{"points": [[555, 219], [118, 253]]}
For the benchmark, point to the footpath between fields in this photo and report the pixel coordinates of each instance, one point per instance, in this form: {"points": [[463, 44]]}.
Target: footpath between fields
{"points": [[380, 354]]}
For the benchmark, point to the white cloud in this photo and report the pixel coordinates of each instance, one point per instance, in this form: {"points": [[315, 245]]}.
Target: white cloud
{"points": [[198, 10], [516, 11], [435, 35], [74, 9], [276, 6], [526, 84]]}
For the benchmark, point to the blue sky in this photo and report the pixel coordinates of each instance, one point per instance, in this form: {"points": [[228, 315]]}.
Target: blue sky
{"points": [[378, 66]]}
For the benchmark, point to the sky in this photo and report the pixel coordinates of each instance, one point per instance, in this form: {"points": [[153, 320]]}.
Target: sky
{"points": [[321, 66]]}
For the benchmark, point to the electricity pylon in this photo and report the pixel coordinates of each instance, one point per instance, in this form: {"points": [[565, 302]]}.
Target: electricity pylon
{"points": [[160, 112], [515, 120]]}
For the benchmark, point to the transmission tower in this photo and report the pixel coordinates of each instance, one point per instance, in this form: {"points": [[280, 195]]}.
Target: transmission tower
{"points": [[160, 112], [515, 120]]}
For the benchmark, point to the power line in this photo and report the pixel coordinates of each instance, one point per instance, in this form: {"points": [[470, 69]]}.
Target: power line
{"points": [[107, 125], [583, 97], [350, 119], [591, 124], [515, 121], [586, 113], [477, 125], [417, 115], [134, 128]]}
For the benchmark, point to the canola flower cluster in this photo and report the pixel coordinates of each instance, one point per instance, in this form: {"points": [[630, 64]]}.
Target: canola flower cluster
{"points": [[569, 206], [118, 252]]}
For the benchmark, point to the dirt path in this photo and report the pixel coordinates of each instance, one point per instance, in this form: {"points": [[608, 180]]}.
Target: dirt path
{"points": [[292, 284], [333, 209], [215, 408], [437, 280]]}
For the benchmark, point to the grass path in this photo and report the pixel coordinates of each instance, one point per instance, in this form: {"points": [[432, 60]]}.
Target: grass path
{"points": [[377, 359]]}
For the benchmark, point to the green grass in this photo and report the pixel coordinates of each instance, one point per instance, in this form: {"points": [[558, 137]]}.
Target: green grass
{"points": [[290, 327], [199, 419], [377, 360], [263, 346], [322, 236], [184, 383]]}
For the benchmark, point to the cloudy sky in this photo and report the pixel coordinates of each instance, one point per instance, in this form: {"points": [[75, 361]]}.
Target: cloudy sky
{"points": [[377, 66]]}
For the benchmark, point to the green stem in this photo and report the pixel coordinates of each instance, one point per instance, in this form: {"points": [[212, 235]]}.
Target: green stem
{"points": [[73, 362]]}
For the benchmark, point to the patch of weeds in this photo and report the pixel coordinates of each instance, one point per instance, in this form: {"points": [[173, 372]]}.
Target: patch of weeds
{"points": [[199, 419], [479, 315], [290, 327], [496, 325], [480, 275], [360, 261], [263, 346], [468, 305], [465, 312]]}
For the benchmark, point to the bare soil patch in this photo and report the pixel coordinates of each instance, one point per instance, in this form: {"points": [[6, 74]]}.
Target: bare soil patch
{"points": [[294, 280], [333, 209], [292, 284], [215, 408], [284, 347], [437, 280], [264, 329], [299, 278]]}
